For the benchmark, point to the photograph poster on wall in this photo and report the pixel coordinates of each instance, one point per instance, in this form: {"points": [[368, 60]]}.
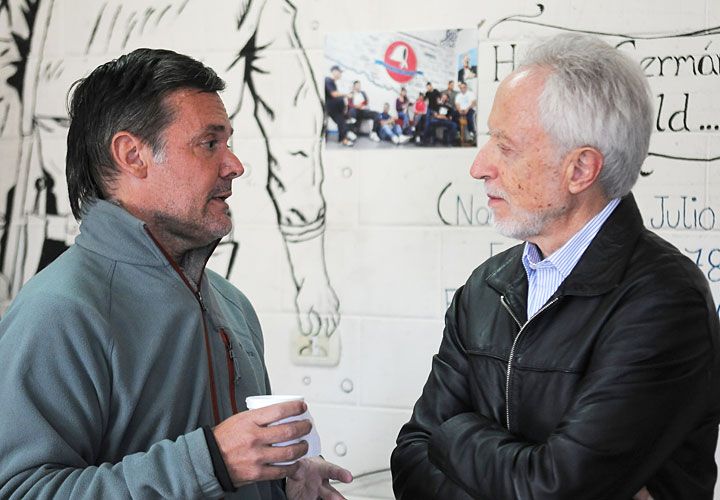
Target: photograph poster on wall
{"points": [[401, 89]]}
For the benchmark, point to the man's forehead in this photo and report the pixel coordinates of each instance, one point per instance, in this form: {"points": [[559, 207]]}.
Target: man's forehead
{"points": [[189, 93], [517, 77], [202, 109], [532, 75], [519, 92]]}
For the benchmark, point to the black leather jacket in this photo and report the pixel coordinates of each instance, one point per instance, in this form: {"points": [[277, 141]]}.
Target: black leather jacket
{"points": [[613, 385]]}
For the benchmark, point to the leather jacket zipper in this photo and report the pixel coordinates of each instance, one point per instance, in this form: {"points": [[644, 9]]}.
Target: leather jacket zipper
{"points": [[512, 351], [233, 375]]}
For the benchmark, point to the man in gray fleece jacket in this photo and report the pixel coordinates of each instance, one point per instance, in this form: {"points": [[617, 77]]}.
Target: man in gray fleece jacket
{"points": [[125, 363]]}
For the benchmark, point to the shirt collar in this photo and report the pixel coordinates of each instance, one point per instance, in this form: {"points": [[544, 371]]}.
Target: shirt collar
{"points": [[566, 257]]}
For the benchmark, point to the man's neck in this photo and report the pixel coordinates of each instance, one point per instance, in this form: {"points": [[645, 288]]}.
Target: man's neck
{"points": [[189, 258], [193, 264], [559, 231]]}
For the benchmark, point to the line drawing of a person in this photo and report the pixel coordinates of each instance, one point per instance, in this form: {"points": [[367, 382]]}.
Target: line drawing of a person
{"points": [[36, 39]]}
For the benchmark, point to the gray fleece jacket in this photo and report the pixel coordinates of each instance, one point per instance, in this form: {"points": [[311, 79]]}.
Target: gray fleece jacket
{"points": [[109, 365]]}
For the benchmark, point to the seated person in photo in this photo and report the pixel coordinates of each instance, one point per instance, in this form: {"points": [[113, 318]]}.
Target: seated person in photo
{"points": [[440, 118], [451, 93], [389, 129], [420, 111], [358, 110], [432, 95], [465, 103], [402, 103]]}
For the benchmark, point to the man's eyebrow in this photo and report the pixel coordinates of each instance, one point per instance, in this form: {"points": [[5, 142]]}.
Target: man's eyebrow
{"points": [[218, 128], [493, 132]]}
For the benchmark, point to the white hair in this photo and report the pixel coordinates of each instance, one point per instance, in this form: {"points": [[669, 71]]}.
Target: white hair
{"points": [[595, 96]]}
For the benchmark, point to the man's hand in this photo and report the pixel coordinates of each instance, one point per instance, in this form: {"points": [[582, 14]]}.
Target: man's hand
{"points": [[246, 440], [317, 306], [311, 480]]}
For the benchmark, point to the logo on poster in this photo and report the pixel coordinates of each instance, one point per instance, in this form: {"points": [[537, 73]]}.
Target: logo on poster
{"points": [[400, 62]]}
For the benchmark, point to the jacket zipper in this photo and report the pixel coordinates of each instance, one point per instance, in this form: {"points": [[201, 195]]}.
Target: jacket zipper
{"points": [[233, 375], [203, 311], [208, 350], [512, 351]]}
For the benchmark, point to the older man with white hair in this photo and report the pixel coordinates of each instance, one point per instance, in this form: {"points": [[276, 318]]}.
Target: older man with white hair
{"points": [[583, 363]]}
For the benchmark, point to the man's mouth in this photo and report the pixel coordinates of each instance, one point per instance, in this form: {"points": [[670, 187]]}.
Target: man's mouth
{"points": [[492, 196], [221, 196]]}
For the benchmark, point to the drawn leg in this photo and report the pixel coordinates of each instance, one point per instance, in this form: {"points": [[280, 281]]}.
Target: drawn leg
{"points": [[279, 77]]}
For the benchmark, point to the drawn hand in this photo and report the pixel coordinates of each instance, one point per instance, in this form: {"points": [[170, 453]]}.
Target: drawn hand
{"points": [[317, 306], [312, 478], [246, 440], [316, 302]]}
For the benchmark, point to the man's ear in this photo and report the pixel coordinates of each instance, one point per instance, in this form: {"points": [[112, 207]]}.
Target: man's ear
{"points": [[129, 154], [584, 165]]}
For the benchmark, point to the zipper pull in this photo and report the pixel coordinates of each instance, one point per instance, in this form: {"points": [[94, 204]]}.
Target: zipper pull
{"points": [[235, 365], [231, 353], [201, 301]]}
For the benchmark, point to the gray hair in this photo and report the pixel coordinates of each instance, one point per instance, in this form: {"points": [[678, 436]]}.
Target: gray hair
{"points": [[595, 96]]}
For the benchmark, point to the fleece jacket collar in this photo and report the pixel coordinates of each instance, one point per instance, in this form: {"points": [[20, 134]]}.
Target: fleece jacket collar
{"points": [[111, 231]]}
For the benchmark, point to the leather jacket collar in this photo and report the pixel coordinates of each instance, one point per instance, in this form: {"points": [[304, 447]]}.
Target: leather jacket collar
{"points": [[598, 271]]}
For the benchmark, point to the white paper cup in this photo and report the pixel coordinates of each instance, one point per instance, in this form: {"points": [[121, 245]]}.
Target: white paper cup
{"points": [[313, 439]]}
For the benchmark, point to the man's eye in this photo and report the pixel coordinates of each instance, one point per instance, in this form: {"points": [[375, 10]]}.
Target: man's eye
{"points": [[212, 144]]}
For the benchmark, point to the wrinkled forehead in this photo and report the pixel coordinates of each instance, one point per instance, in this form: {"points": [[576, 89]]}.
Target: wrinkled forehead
{"points": [[197, 109]]}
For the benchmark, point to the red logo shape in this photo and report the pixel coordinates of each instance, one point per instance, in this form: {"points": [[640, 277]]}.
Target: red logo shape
{"points": [[400, 62]]}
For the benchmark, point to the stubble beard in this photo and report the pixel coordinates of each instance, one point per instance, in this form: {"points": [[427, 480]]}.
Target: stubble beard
{"points": [[523, 224], [189, 234]]}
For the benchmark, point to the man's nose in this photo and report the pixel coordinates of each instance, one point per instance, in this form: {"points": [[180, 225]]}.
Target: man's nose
{"points": [[232, 166], [481, 167]]}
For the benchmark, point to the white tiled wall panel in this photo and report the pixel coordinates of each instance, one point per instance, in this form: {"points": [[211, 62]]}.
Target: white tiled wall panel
{"points": [[404, 226]]}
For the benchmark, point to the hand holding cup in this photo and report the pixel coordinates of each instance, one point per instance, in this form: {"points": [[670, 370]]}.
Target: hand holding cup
{"points": [[247, 442], [313, 439]]}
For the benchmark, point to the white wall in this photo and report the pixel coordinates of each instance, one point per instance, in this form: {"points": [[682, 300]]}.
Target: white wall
{"points": [[391, 259]]}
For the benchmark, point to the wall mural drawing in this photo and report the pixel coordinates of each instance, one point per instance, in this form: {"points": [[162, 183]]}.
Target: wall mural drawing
{"points": [[46, 45]]}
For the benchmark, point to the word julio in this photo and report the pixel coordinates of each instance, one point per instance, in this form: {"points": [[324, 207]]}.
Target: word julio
{"points": [[682, 212]]}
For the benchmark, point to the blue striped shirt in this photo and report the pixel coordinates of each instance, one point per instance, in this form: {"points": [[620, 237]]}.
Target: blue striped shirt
{"points": [[545, 276]]}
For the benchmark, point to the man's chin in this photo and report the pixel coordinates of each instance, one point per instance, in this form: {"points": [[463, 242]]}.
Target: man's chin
{"points": [[221, 229], [515, 229], [213, 228]]}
